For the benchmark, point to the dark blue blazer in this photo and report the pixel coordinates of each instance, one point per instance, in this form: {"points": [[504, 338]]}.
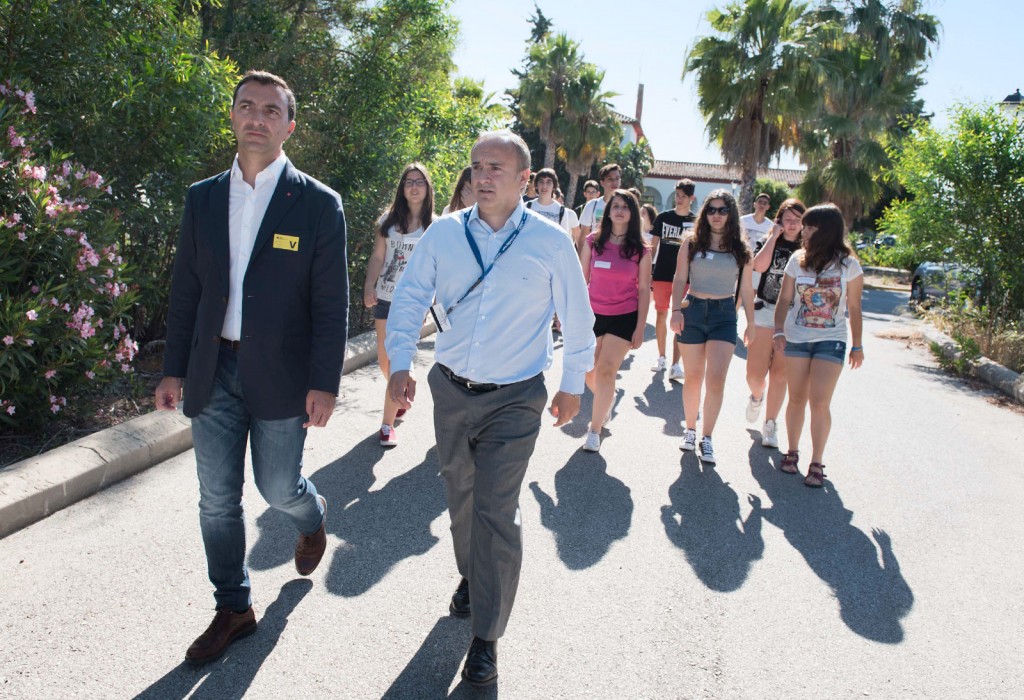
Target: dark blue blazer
{"points": [[295, 312]]}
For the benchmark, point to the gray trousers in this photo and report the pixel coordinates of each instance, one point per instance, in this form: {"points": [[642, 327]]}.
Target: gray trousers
{"points": [[484, 443]]}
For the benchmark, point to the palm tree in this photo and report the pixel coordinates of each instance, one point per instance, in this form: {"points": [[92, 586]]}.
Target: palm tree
{"points": [[586, 127], [552, 66], [870, 86], [755, 78]]}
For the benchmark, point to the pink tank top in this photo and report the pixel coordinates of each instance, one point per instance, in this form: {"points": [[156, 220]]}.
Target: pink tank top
{"points": [[613, 280]]}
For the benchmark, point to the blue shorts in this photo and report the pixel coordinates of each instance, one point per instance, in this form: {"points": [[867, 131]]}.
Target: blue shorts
{"points": [[708, 319], [381, 309], [828, 350]]}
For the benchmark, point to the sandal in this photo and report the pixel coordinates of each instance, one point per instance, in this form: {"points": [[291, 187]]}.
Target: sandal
{"points": [[789, 462], [815, 475]]}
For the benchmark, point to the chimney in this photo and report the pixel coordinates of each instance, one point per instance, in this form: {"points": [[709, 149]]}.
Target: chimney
{"points": [[639, 101]]}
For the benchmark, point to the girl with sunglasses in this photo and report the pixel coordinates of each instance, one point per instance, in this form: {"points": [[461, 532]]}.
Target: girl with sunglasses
{"points": [[400, 229], [715, 258]]}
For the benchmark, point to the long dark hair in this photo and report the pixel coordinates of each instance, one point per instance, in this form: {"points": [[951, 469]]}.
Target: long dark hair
{"points": [[398, 213], [633, 245], [795, 205], [460, 185], [828, 245], [735, 242]]}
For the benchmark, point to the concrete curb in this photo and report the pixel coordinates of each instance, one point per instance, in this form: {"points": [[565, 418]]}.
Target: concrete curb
{"points": [[37, 487], [992, 373]]}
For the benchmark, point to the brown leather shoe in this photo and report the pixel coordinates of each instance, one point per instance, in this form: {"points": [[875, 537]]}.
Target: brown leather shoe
{"points": [[227, 626], [310, 548]]}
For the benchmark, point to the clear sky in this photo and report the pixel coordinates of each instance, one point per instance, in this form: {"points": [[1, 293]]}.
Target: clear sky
{"points": [[978, 58]]}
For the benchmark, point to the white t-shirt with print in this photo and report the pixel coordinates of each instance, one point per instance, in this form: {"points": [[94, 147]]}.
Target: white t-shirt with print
{"points": [[398, 248], [819, 303], [550, 211], [755, 231], [592, 213]]}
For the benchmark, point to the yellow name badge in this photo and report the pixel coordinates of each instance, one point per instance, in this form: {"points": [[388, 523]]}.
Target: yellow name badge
{"points": [[286, 242]]}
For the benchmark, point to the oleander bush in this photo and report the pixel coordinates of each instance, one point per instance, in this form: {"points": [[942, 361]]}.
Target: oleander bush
{"points": [[64, 295]]}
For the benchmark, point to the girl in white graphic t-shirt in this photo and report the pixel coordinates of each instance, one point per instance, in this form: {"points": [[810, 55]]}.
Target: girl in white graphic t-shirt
{"points": [[399, 229], [824, 282]]}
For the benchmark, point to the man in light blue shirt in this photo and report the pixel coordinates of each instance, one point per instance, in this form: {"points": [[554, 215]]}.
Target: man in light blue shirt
{"points": [[487, 385]]}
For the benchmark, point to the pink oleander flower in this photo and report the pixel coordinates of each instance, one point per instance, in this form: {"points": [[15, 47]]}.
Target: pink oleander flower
{"points": [[8, 340], [93, 179], [54, 408], [54, 302], [10, 410], [15, 140], [32, 315], [90, 374], [126, 369], [37, 172], [22, 236], [35, 289], [30, 101], [50, 374], [29, 342]]}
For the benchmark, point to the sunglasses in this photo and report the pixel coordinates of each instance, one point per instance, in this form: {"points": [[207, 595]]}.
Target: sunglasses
{"points": [[723, 211]]}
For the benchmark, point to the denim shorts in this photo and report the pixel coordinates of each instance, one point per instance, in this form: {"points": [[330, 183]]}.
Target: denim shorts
{"points": [[708, 319], [381, 309], [828, 350]]}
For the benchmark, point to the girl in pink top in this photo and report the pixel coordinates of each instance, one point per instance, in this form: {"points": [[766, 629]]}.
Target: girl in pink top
{"points": [[617, 267]]}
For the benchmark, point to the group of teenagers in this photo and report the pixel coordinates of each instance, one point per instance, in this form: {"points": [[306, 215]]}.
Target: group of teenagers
{"points": [[257, 328], [794, 276]]}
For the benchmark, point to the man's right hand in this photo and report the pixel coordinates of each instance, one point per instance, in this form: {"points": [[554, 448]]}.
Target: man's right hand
{"points": [[168, 393], [402, 388]]}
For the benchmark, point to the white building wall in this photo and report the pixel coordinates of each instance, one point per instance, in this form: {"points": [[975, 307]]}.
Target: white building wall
{"points": [[662, 191]]}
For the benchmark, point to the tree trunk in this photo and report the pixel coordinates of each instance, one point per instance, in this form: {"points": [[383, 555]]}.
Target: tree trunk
{"points": [[570, 193], [747, 178], [549, 152]]}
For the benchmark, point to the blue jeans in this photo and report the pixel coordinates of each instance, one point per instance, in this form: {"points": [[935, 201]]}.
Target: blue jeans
{"points": [[828, 350], [219, 434]]}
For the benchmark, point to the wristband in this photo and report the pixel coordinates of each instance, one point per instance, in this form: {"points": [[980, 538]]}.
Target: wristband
{"points": [[857, 348], [778, 335], [780, 330]]}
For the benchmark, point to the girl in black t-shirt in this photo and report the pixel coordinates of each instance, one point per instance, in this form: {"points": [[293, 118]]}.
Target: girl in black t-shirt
{"points": [[771, 258]]}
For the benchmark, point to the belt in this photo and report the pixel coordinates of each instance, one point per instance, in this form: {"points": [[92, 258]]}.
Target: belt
{"points": [[233, 344], [476, 387]]}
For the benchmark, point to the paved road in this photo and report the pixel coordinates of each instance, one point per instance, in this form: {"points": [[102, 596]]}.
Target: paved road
{"points": [[645, 575]]}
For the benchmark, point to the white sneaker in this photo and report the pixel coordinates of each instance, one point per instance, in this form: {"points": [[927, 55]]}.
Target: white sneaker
{"points": [[689, 443], [675, 374], [659, 366], [770, 434], [593, 443], [388, 437], [707, 452], [754, 408]]}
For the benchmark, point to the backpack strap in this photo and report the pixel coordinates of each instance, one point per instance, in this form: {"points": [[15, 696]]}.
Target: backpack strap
{"points": [[529, 205]]}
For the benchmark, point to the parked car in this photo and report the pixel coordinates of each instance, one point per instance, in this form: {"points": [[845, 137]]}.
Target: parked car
{"points": [[938, 280]]}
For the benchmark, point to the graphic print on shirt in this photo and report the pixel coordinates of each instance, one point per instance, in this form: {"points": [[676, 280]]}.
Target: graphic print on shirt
{"points": [[399, 258], [818, 302], [773, 276], [673, 235]]}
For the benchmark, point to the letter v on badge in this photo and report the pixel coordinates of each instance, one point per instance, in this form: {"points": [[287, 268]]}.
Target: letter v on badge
{"points": [[286, 242]]}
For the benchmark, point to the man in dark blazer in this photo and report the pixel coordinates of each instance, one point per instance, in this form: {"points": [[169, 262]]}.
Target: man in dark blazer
{"points": [[255, 339]]}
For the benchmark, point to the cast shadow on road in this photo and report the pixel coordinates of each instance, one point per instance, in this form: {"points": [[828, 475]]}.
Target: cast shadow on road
{"points": [[378, 528], [663, 400], [579, 425], [873, 597], [231, 675], [439, 660], [704, 521], [594, 509]]}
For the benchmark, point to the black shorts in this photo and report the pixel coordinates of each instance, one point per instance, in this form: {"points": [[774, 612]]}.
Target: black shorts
{"points": [[620, 325], [381, 309]]}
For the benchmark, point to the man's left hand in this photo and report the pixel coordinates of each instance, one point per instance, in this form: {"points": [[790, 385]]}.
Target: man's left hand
{"points": [[319, 407], [564, 407]]}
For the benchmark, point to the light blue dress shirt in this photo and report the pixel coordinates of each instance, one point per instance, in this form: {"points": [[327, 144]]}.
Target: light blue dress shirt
{"points": [[501, 332]]}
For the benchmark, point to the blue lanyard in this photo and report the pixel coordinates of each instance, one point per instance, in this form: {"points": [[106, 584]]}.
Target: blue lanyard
{"points": [[479, 258]]}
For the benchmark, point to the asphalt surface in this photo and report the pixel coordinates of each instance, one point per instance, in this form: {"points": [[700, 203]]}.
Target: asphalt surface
{"points": [[645, 575]]}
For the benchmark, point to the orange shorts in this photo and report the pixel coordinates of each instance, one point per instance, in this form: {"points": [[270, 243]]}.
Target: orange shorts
{"points": [[663, 295]]}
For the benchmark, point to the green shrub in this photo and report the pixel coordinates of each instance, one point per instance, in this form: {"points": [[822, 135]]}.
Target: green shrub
{"points": [[63, 295]]}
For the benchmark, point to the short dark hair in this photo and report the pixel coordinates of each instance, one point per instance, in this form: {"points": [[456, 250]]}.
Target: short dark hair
{"points": [[265, 78], [686, 186], [591, 183], [764, 195], [548, 173], [611, 167]]}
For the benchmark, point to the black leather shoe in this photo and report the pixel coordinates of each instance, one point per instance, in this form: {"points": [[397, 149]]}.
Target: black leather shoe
{"points": [[460, 600], [481, 663]]}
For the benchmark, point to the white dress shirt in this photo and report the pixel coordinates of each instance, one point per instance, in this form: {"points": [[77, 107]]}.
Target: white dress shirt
{"points": [[246, 207], [501, 332]]}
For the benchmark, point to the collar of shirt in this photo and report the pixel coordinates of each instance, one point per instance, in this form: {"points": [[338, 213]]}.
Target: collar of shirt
{"points": [[271, 173], [478, 224]]}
